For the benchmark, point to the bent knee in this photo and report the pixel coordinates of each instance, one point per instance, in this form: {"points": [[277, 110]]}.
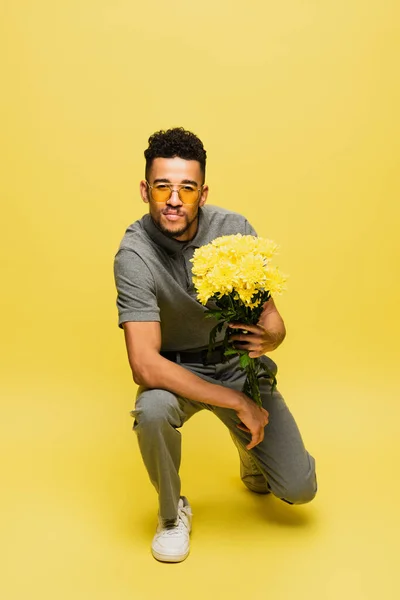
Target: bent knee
{"points": [[301, 492], [157, 406]]}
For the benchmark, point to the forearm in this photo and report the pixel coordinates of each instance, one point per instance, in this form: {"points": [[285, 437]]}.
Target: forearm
{"points": [[272, 323], [158, 372]]}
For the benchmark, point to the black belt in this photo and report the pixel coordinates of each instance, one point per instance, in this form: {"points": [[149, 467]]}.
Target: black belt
{"points": [[216, 356]]}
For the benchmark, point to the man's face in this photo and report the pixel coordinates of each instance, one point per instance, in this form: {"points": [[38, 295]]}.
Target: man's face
{"points": [[175, 219]]}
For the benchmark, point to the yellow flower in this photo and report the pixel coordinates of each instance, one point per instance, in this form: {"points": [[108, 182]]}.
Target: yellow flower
{"points": [[276, 280], [236, 263]]}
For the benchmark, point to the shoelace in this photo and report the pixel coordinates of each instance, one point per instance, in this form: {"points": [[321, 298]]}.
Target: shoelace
{"points": [[175, 530]]}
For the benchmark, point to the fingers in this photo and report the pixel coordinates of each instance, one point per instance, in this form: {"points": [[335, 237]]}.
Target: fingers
{"points": [[265, 415], [254, 346], [245, 337], [250, 342], [258, 435], [256, 438], [256, 354], [256, 425], [243, 428], [253, 328]]}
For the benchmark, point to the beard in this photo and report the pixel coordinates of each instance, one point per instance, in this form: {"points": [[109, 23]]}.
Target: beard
{"points": [[175, 233]]}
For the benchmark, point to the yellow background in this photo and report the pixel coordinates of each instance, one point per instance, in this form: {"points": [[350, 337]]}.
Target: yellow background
{"points": [[297, 106]]}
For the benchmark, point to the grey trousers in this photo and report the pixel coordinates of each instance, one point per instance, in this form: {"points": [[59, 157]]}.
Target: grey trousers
{"points": [[279, 464]]}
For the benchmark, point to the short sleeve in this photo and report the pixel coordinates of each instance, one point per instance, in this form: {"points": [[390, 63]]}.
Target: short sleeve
{"points": [[136, 293], [249, 229]]}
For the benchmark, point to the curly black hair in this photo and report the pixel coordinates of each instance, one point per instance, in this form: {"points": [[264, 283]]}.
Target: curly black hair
{"points": [[175, 142]]}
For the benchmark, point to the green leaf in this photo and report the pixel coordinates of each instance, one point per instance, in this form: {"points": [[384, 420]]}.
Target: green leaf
{"points": [[213, 334], [245, 360], [230, 351], [267, 371], [213, 314]]}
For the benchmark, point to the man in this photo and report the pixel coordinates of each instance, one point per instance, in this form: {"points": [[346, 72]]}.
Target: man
{"points": [[167, 335]]}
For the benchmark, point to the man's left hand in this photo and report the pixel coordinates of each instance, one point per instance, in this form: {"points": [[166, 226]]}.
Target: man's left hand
{"points": [[267, 335], [257, 341]]}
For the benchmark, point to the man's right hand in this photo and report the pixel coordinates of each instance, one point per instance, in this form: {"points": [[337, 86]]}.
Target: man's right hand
{"points": [[254, 418]]}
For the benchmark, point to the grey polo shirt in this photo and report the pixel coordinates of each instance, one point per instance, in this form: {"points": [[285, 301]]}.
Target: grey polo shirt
{"points": [[154, 281]]}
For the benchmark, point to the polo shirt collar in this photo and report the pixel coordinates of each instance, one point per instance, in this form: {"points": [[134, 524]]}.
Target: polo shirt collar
{"points": [[171, 245]]}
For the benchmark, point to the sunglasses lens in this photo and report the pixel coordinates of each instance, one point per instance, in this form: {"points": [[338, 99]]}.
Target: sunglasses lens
{"points": [[188, 195], [161, 193]]}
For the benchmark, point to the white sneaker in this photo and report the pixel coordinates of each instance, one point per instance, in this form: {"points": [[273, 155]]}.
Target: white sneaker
{"points": [[171, 542]]}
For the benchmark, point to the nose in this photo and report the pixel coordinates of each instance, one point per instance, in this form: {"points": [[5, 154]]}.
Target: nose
{"points": [[174, 200]]}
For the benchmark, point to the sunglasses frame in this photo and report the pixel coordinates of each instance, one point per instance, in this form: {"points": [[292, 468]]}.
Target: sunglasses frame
{"points": [[172, 191]]}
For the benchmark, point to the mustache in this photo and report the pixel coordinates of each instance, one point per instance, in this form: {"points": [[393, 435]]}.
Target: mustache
{"points": [[172, 212]]}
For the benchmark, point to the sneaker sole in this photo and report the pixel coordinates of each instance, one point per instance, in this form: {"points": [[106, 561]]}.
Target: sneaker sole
{"points": [[168, 558]]}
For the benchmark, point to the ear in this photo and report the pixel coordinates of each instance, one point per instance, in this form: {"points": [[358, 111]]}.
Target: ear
{"points": [[144, 191], [203, 197]]}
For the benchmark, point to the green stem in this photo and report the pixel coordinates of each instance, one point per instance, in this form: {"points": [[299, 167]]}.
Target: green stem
{"points": [[251, 382]]}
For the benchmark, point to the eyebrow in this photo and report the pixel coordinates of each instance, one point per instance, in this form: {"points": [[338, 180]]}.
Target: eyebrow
{"points": [[164, 180]]}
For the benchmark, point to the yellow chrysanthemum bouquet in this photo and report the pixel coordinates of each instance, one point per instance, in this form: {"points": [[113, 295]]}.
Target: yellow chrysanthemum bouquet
{"points": [[235, 273]]}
